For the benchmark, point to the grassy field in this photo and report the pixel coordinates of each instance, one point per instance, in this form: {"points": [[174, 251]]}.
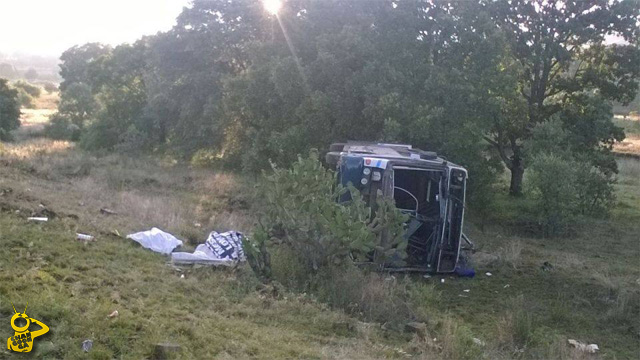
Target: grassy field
{"points": [[541, 292]]}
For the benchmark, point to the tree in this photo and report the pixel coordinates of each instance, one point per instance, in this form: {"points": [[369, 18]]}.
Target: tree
{"points": [[9, 110], [117, 79], [76, 60], [77, 104], [7, 71], [31, 74], [558, 52]]}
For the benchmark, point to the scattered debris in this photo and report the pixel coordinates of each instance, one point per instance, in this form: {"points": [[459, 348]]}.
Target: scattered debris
{"points": [[163, 351], [591, 348], [197, 224], [219, 249], [84, 237], [442, 281], [38, 219], [426, 276], [87, 345], [463, 269], [115, 232], [506, 286], [114, 314], [43, 211], [105, 211], [156, 240], [479, 342], [546, 266], [466, 290], [182, 276], [488, 274]]}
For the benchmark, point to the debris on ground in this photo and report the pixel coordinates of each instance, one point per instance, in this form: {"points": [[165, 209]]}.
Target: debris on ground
{"points": [[219, 249], [506, 286], [463, 269], [442, 281], [38, 219], [591, 348], [466, 290], [546, 266], [114, 314], [488, 274], [105, 211], [479, 342], [87, 345], [84, 237], [43, 211], [156, 240]]}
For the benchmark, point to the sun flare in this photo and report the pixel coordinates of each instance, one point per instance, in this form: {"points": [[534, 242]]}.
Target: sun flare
{"points": [[272, 6]]}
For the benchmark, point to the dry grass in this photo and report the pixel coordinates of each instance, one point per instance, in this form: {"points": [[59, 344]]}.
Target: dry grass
{"points": [[33, 121], [144, 192], [630, 145], [510, 253]]}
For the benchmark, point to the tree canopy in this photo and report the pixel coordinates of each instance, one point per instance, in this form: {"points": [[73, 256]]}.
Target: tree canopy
{"points": [[9, 110], [238, 86]]}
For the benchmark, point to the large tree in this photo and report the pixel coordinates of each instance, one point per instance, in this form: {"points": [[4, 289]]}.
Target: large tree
{"points": [[559, 52], [75, 62], [9, 110]]}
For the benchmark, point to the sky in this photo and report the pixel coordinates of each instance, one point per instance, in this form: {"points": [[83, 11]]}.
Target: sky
{"points": [[48, 27]]}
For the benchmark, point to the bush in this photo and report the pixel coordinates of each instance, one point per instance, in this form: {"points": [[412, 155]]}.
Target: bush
{"points": [[50, 87], [302, 212], [553, 182], [32, 90], [25, 100], [60, 128], [99, 135]]}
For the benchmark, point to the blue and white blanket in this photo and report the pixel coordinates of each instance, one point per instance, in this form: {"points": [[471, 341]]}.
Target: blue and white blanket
{"points": [[219, 249]]}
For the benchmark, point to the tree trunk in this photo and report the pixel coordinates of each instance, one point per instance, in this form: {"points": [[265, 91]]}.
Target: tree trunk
{"points": [[517, 174]]}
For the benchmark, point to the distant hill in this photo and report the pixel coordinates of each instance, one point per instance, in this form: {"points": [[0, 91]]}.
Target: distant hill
{"points": [[35, 68]]}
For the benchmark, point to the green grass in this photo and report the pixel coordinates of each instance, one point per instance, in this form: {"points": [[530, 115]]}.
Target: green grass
{"points": [[590, 294], [73, 288]]}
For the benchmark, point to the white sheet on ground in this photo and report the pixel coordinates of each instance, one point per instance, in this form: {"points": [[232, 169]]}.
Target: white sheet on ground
{"points": [[156, 240], [219, 249]]}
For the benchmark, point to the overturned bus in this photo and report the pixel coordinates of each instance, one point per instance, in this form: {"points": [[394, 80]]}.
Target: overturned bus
{"points": [[428, 188]]}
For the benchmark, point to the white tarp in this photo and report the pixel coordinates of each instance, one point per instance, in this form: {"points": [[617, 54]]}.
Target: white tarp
{"points": [[219, 249], [156, 240]]}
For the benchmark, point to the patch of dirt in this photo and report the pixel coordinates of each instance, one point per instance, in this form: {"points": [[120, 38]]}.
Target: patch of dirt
{"points": [[630, 145]]}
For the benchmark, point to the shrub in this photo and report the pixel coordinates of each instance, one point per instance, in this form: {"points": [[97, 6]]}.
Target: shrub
{"points": [[301, 211], [553, 181], [564, 189], [60, 128], [50, 87], [25, 100], [30, 89]]}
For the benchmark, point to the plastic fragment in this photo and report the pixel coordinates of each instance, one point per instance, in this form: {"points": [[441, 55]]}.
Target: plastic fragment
{"points": [[591, 348], [87, 345]]}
